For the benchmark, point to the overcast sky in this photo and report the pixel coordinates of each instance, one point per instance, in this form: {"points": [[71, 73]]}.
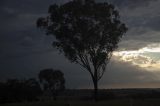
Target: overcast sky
{"points": [[25, 50]]}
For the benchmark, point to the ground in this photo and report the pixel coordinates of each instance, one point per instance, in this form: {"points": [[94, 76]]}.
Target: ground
{"points": [[123, 102]]}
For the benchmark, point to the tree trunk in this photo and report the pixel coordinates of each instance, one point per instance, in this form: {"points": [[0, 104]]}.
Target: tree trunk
{"points": [[54, 98], [54, 95], [95, 90], [95, 82]]}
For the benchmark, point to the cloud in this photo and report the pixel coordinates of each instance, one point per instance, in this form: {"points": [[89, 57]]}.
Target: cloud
{"points": [[142, 22], [142, 16], [137, 59], [131, 44], [130, 3], [146, 58]]}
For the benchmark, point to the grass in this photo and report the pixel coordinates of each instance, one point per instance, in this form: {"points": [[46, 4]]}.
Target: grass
{"points": [[125, 102]]}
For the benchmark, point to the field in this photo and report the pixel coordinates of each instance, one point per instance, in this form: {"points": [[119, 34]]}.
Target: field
{"points": [[125, 102]]}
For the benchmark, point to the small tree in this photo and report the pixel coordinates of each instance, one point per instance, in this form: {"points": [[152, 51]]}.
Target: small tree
{"points": [[52, 80], [86, 32]]}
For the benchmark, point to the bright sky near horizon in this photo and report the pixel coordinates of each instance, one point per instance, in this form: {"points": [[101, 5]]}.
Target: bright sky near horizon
{"points": [[147, 58]]}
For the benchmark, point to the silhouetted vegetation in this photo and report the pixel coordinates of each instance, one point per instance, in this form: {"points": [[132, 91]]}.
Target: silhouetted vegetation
{"points": [[52, 80], [86, 32], [14, 90]]}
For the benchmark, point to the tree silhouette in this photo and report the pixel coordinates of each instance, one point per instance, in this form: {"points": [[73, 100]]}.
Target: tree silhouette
{"points": [[86, 32], [52, 80], [31, 89], [15, 90]]}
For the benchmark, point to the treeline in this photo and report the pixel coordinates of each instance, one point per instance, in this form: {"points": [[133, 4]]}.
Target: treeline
{"points": [[14, 90]]}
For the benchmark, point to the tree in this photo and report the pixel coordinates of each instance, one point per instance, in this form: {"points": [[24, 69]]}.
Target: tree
{"points": [[86, 32], [52, 80]]}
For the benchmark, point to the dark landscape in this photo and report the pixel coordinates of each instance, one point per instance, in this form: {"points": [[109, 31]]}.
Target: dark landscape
{"points": [[79, 52], [111, 97]]}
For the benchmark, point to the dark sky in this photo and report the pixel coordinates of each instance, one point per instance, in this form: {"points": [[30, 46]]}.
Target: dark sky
{"points": [[25, 50]]}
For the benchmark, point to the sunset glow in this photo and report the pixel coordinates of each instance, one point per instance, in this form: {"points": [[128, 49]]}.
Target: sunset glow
{"points": [[143, 58]]}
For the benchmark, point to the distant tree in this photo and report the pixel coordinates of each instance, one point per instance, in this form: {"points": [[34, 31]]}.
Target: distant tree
{"points": [[86, 32], [52, 80]]}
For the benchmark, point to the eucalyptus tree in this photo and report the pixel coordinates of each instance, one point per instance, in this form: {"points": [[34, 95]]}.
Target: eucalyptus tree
{"points": [[86, 32]]}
